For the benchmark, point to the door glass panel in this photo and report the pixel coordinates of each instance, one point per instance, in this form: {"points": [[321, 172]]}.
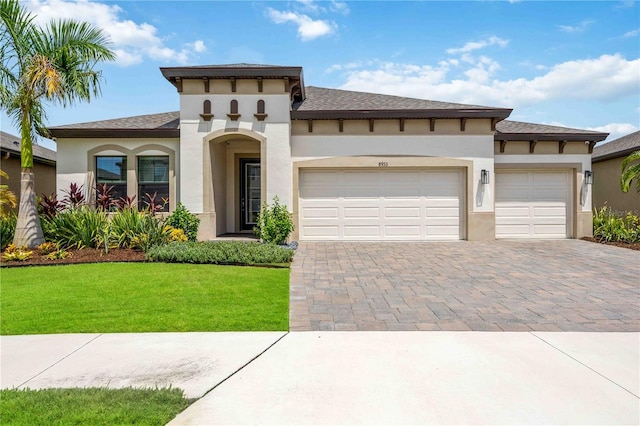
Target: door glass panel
{"points": [[252, 191]]}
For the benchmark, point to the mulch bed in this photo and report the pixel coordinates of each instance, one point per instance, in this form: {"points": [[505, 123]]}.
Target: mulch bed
{"points": [[632, 246], [86, 255]]}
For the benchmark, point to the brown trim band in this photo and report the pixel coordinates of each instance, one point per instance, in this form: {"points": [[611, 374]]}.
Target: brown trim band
{"points": [[595, 137], [494, 113], [115, 133]]}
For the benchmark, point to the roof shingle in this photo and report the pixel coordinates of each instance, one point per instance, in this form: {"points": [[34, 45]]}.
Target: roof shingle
{"points": [[508, 129], [323, 99], [13, 144], [620, 147]]}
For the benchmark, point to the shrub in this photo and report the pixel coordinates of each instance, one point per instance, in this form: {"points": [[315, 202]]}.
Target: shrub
{"points": [[221, 252], [77, 227], [18, 254], [104, 197], [7, 229], [176, 234], [609, 226], [135, 229], [58, 254], [47, 248], [49, 206], [74, 196], [274, 223], [181, 218]]}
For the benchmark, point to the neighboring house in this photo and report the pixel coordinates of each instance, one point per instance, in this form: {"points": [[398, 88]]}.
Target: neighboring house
{"points": [[348, 165], [44, 165], [607, 159]]}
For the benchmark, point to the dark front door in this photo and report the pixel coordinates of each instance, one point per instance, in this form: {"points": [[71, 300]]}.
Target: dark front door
{"points": [[249, 192]]}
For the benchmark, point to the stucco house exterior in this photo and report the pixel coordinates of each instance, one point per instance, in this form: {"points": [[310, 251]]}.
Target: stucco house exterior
{"points": [[348, 165], [44, 165], [607, 160]]}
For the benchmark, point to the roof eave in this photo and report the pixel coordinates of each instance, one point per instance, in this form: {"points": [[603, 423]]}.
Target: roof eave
{"points": [[616, 154], [591, 137], [36, 158], [70, 133], [498, 113], [171, 73]]}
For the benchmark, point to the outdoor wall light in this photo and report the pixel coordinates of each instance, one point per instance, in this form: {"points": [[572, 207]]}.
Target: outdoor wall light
{"points": [[588, 177], [484, 177]]}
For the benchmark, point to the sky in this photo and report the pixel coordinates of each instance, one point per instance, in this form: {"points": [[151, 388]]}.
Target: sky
{"points": [[574, 64]]}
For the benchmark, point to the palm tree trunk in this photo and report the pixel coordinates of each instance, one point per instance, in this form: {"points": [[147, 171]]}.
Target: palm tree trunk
{"points": [[28, 230]]}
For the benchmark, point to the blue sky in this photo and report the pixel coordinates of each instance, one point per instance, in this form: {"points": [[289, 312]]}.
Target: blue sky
{"points": [[573, 64]]}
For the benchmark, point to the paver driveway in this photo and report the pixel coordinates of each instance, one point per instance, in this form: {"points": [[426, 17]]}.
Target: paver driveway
{"points": [[565, 285]]}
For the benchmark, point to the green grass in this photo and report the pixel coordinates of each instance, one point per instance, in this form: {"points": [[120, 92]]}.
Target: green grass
{"points": [[142, 297], [91, 406]]}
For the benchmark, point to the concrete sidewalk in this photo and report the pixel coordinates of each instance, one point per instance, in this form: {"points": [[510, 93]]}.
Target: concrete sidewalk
{"points": [[352, 377]]}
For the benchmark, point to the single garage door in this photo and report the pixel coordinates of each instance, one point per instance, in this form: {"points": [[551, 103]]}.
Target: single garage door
{"points": [[380, 205], [533, 204]]}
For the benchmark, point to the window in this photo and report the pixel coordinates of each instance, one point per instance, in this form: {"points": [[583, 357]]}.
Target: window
{"points": [[153, 178], [112, 171]]}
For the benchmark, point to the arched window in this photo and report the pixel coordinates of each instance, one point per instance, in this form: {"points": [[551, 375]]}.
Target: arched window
{"points": [[260, 115], [233, 114], [206, 110]]}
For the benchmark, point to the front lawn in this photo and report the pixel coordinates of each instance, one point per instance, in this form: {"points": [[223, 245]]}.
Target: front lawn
{"points": [[142, 297], [91, 406]]}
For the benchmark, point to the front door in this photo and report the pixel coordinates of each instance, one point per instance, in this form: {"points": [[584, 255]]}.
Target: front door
{"points": [[249, 192]]}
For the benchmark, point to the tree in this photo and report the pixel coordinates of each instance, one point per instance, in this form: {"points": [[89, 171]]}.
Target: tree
{"points": [[630, 172], [52, 63]]}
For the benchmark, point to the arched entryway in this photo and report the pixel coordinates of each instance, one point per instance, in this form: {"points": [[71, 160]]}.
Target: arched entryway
{"points": [[234, 181]]}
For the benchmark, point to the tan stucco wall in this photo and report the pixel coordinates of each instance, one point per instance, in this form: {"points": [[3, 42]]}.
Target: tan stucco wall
{"points": [[223, 86], [606, 187], [391, 127], [76, 162], [45, 177]]}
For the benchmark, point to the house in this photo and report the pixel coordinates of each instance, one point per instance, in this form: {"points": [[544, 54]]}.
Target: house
{"points": [[348, 165], [44, 165], [607, 160]]}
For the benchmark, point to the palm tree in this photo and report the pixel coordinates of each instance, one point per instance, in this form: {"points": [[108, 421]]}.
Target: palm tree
{"points": [[633, 172], [53, 63]]}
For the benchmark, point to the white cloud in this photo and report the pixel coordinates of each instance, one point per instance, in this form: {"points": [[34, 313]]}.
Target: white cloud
{"points": [[625, 4], [308, 29], [630, 34], [339, 7], [615, 130], [603, 79], [576, 28], [197, 46], [132, 41], [308, 5], [475, 45]]}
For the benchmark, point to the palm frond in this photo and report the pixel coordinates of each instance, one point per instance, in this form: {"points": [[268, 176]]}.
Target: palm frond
{"points": [[74, 48], [630, 172]]}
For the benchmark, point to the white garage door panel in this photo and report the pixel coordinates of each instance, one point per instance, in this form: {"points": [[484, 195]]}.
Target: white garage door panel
{"points": [[532, 204], [380, 205], [321, 212], [322, 231]]}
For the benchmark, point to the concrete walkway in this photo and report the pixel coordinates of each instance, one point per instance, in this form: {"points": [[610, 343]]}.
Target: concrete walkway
{"points": [[352, 377], [559, 285]]}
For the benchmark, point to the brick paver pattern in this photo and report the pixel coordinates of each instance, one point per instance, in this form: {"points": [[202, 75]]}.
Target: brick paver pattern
{"points": [[561, 285]]}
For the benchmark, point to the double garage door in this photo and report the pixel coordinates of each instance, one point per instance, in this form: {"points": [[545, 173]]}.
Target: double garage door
{"points": [[381, 204], [428, 204], [533, 204]]}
